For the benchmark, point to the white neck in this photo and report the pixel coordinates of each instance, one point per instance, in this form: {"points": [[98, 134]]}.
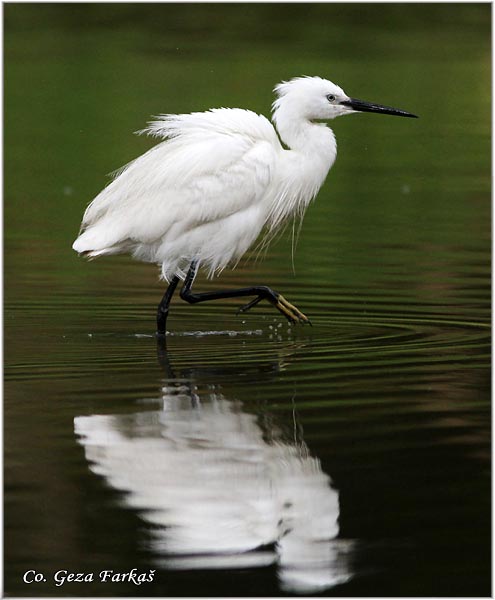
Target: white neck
{"points": [[312, 151], [303, 136]]}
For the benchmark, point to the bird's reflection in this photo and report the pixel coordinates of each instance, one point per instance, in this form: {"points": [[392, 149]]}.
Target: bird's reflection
{"points": [[215, 492]]}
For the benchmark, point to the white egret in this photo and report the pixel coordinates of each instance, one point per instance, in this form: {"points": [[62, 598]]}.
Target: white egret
{"points": [[202, 196]]}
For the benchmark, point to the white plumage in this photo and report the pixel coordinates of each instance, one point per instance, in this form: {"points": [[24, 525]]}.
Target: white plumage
{"points": [[203, 195], [207, 191]]}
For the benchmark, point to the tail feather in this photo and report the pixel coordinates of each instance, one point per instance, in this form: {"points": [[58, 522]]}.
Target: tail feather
{"points": [[98, 241]]}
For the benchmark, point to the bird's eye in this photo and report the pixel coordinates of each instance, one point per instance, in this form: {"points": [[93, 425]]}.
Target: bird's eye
{"points": [[331, 98]]}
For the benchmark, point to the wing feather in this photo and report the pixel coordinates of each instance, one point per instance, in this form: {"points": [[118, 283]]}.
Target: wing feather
{"points": [[211, 165]]}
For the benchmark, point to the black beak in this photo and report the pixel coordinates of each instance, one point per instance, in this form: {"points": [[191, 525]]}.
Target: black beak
{"points": [[362, 106]]}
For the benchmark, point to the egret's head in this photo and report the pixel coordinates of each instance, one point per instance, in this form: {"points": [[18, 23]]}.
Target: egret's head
{"points": [[311, 97], [314, 98]]}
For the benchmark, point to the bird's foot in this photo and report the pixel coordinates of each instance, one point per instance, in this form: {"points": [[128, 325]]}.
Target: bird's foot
{"points": [[249, 305], [290, 312]]}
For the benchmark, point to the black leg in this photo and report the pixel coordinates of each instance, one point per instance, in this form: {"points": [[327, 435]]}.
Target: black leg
{"points": [[262, 292], [162, 312]]}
